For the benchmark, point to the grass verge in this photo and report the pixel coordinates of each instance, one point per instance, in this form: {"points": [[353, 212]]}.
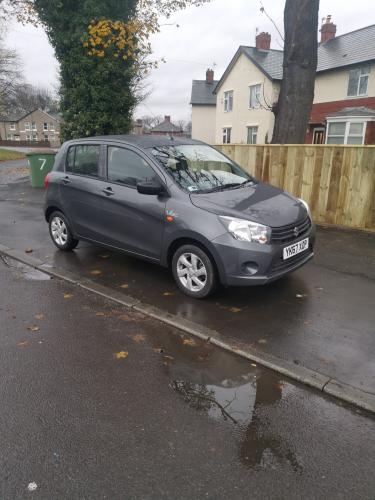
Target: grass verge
{"points": [[7, 155]]}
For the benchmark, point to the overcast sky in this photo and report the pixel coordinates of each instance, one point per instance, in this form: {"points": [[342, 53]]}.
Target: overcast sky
{"points": [[206, 36]]}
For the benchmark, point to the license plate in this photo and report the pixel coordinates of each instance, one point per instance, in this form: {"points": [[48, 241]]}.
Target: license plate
{"points": [[296, 248]]}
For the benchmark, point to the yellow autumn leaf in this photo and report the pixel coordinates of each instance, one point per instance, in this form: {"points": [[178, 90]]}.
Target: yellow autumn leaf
{"points": [[190, 342], [121, 355], [68, 295], [235, 309], [39, 316], [125, 285], [33, 328], [138, 338], [23, 344], [168, 294], [95, 272]]}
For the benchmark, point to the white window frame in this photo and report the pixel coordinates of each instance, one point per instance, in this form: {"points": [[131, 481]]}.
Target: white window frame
{"points": [[9, 137], [253, 133], [27, 125], [52, 127], [361, 75], [45, 126], [228, 101], [28, 137], [33, 126], [257, 96], [227, 136], [12, 126], [347, 121]]}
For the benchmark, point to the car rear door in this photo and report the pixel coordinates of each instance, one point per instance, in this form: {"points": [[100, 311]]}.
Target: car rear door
{"points": [[132, 221], [81, 188]]}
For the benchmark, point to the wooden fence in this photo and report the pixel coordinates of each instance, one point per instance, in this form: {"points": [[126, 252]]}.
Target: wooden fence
{"points": [[338, 182]]}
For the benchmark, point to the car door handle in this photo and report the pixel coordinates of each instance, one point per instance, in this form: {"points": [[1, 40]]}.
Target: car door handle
{"points": [[66, 180], [108, 191]]}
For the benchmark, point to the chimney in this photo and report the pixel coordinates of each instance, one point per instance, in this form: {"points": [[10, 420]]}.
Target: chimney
{"points": [[328, 30], [167, 118], [263, 41], [210, 76]]}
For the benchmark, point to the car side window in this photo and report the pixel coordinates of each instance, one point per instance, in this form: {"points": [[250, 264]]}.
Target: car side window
{"points": [[83, 160], [127, 167]]}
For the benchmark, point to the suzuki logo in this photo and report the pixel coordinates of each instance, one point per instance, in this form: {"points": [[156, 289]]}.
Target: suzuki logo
{"points": [[296, 231]]}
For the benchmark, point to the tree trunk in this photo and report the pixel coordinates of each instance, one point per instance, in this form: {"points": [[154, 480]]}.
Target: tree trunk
{"points": [[299, 67]]}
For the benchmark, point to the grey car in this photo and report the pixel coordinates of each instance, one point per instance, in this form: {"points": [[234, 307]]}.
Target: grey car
{"points": [[179, 203]]}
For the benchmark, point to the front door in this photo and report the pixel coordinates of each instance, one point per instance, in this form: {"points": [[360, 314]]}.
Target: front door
{"points": [[319, 135], [130, 220]]}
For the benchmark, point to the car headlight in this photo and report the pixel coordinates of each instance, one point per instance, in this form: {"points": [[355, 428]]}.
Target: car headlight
{"points": [[306, 206], [245, 230]]}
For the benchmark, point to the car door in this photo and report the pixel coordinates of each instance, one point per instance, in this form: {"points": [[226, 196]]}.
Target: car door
{"points": [[81, 188], [132, 221]]}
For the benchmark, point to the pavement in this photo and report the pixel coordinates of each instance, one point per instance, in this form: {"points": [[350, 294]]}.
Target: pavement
{"points": [[101, 402], [316, 325]]}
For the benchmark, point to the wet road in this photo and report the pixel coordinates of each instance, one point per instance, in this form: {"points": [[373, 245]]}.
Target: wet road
{"points": [[321, 317], [98, 402]]}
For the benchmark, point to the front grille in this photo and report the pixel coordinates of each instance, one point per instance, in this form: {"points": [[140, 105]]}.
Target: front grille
{"points": [[285, 234], [280, 264]]}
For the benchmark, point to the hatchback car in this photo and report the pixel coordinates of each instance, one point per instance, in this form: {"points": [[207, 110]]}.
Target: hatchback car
{"points": [[179, 203]]}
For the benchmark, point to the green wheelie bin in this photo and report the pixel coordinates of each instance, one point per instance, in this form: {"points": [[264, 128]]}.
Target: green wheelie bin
{"points": [[40, 164]]}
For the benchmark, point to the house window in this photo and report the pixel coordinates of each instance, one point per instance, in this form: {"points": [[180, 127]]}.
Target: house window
{"points": [[254, 96], [52, 126], [228, 101], [33, 126], [9, 137], [252, 134], [45, 126], [358, 80], [28, 137], [346, 132], [226, 135], [12, 126], [35, 137], [27, 125], [45, 137]]}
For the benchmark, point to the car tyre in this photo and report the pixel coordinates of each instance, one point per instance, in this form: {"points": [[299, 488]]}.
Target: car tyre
{"points": [[194, 271], [61, 233]]}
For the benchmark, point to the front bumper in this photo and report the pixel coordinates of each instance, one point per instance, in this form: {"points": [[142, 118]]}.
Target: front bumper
{"points": [[246, 264]]}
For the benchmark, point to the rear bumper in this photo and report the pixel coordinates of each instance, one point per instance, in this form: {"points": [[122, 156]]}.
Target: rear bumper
{"points": [[249, 264]]}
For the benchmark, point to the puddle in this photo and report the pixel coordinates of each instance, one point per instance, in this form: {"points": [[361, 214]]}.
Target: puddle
{"points": [[23, 270], [232, 391]]}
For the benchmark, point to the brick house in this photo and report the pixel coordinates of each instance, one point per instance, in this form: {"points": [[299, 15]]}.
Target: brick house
{"points": [[343, 110], [36, 126], [166, 127]]}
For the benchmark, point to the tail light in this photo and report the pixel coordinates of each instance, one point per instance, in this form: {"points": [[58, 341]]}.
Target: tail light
{"points": [[46, 180]]}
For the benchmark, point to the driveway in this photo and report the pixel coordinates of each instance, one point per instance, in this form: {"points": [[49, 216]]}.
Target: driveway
{"points": [[321, 317]]}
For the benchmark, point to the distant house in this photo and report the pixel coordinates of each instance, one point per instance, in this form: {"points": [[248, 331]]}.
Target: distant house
{"points": [[343, 110], [36, 126], [203, 108], [166, 127]]}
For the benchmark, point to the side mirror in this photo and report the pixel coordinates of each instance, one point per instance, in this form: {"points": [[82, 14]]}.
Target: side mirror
{"points": [[151, 187]]}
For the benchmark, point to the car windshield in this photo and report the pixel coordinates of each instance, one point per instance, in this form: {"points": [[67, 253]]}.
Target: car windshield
{"points": [[200, 168]]}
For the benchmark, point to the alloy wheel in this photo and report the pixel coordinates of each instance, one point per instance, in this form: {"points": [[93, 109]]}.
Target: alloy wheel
{"points": [[191, 272], [59, 231]]}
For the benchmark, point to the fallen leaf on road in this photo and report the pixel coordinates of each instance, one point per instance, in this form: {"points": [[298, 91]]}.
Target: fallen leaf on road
{"points": [[32, 486], [190, 342], [138, 338], [23, 344], [103, 256], [125, 317], [159, 350], [300, 295], [95, 272], [28, 250], [100, 314], [253, 364], [33, 328], [68, 295], [262, 341], [319, 288], [121, 355], [39, 316], [235, 309], [170, 358], [168, 294], [125, 285]]}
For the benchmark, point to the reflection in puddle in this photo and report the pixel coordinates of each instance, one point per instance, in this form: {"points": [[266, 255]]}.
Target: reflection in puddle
{"points": [[229, 389], [24, 271]]}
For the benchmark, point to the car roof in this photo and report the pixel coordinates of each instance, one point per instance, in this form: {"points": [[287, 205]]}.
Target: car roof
{"points": [[142, 141]]}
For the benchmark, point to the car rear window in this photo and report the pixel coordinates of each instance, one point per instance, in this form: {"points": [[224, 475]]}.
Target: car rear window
{"points": [[83, 160]]}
